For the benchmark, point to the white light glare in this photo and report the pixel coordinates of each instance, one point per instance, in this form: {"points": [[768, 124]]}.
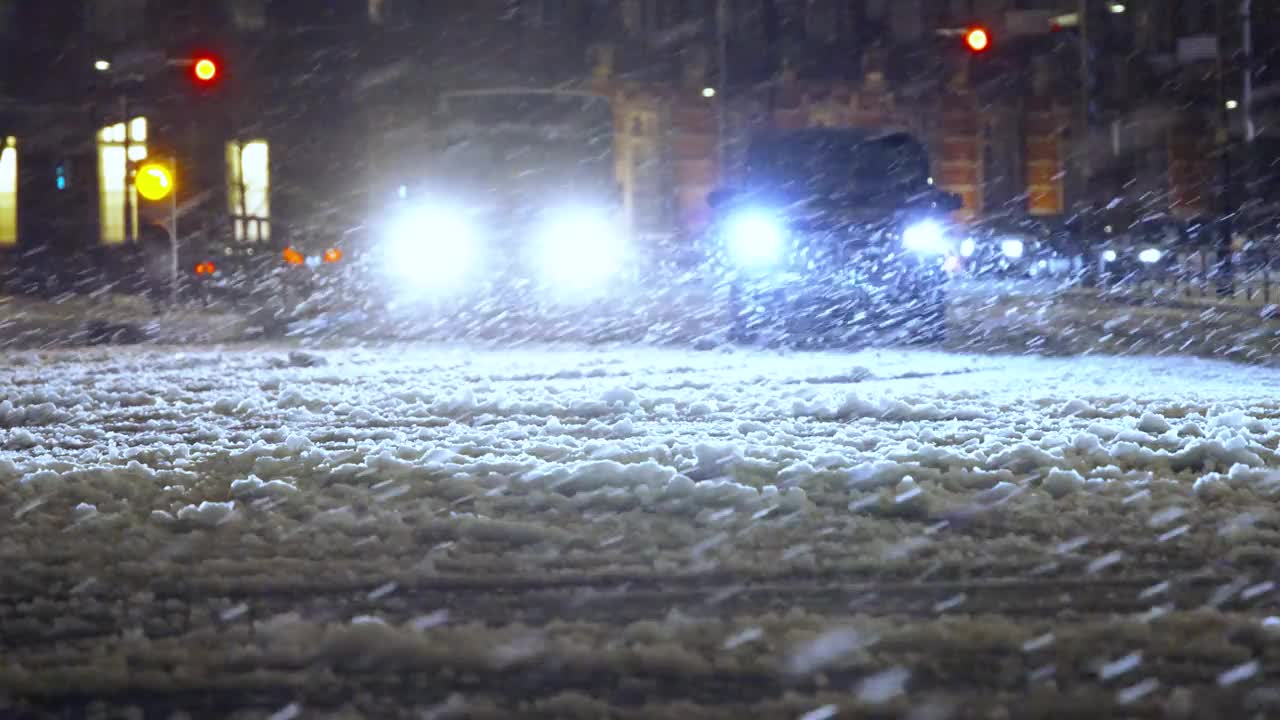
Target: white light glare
{"points": [[1233, 104], [968, 247], [755, 240], [431, 248], [708, 92], [1117, 8], [1150, 255], [925, 237], [1109, 256], [582, 250], [101, 65], [1012, 248]]}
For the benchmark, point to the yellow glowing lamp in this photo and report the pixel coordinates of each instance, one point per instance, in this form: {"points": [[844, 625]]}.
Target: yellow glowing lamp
{"points": [[154, 181]]}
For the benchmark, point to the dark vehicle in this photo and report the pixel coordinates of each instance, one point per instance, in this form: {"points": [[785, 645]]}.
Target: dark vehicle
{"points": [[503, 202], [1137, 249], [835, 236], [1016, 248]]}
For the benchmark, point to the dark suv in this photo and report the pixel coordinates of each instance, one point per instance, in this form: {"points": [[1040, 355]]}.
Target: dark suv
{"points": [[835, 236]]}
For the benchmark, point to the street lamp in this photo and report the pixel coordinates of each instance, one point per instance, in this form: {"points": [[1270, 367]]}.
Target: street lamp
{"points": [[102, 65]]}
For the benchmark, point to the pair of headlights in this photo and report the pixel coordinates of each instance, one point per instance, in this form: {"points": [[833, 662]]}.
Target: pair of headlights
{"points": [[1148, 256], [1011, 248], [757, 240], [442, 250]]}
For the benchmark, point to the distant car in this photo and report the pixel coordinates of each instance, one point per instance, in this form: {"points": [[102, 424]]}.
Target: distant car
{"points": [[1146, 245], [1014, 249], [833, 237]]}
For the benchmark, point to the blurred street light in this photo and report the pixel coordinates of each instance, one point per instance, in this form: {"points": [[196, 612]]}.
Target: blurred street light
{"points": [[102, 65], [708, 92], [1117, 8], [154, 181], [1233, 104]]}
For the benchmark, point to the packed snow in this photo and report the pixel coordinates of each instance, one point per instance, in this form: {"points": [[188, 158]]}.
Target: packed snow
{"points": [[452, 531]]}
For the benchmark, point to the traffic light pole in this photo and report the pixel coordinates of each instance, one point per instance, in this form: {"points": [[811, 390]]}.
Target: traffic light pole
{"points": [[127, 180], [1086, 73], [722, 97], [1227, 203], [173, 238]]}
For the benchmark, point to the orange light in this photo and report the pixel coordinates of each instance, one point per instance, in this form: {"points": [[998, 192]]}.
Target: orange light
{"points": [[206, 268], [977, 39], [205, 70], [332, 255], [293, 257]]}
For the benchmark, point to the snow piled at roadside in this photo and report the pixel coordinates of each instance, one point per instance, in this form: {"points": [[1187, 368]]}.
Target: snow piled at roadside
{"points": [[392, 466]]}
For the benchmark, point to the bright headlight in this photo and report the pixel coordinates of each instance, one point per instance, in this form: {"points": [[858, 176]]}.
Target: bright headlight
{"points": [[433, 248], [582, 250], [968, 247], [925, 237], [755, 240], [1109, 256], [1012, 248], [1150, 255]]}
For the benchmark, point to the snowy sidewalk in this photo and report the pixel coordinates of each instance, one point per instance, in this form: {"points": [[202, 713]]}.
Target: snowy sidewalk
{"points": [[27, 322], [1051, 319]]}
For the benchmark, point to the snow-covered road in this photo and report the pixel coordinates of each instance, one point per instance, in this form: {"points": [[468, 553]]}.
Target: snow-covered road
{"points": [[440, 531]]}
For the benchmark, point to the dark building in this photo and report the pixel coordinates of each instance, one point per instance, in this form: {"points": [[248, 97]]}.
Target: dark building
{"points": [[315, 99]]}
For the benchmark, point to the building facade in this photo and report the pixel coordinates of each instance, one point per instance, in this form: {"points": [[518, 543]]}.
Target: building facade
{"points": [[1064, 110]]}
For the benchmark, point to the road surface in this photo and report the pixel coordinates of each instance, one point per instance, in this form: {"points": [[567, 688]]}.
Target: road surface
{"points": [[447, 531]]}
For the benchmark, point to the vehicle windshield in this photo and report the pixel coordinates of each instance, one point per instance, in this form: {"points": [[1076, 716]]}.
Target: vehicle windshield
{"points": [[835, 162], [553, 141]]}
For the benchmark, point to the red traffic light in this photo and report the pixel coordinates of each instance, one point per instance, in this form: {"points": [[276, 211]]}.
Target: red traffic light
{"points": [[205, 69], [977, 39]]}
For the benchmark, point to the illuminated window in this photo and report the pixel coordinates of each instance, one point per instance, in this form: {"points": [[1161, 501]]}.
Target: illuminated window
{"points": [[9, 192], [249, 190], [115, 195]]}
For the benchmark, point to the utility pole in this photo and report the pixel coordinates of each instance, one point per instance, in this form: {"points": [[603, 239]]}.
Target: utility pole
{"points": [[1246, 93], [1227, 205], [174, 275], [722, 97], [1084, 147]]}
